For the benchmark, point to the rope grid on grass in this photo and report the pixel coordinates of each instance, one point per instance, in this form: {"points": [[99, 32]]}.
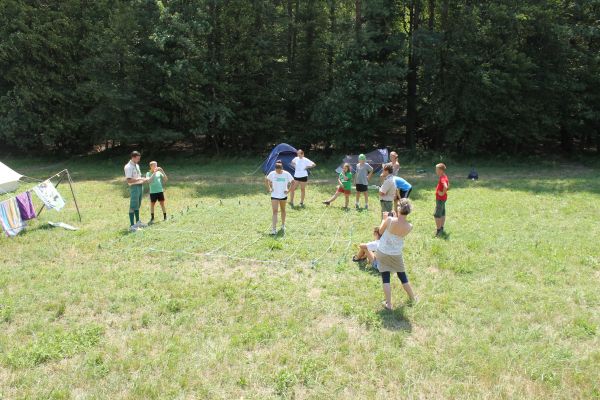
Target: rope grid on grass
{"points": [[306, 238]]}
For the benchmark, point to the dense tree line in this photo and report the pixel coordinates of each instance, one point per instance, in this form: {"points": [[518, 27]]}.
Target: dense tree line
{"points": [[456, 76]]}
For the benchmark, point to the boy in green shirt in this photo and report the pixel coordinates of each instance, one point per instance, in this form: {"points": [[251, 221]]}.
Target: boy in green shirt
{"points": [[345, 186], [156, 176]]}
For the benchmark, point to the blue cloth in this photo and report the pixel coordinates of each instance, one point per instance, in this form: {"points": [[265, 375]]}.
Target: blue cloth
{"points": [[402, 184]]}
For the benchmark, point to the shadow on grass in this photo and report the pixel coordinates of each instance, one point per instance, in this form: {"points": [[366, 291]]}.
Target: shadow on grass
{"points": [[395, 320]]}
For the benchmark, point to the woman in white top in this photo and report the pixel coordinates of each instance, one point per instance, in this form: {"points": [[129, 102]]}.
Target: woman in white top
{"points": [[395, 163], [393, 230], [301, 166], [278, 186]]}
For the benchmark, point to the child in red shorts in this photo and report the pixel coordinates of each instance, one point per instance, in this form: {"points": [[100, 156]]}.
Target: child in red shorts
{"points": [[345, 186]]}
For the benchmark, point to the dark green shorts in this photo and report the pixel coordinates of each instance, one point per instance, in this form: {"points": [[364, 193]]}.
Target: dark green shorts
{"points": [[135, 199], [386, 206], [440, 208]]}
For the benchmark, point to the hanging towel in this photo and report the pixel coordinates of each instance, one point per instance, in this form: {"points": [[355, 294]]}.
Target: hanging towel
{"points": [[25, 206], [10, 217], [49, 195]]}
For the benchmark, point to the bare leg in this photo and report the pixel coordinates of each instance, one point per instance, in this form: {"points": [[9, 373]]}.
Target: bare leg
{"points": [[387, 290], [357, 197], [152, 207], [370, 256], [162, 205], [366, 194], [347, 200], [302, 191], [292, 190], [274, 207], [362, 251], [409, 291], [443, 221], [335, 196], [439, 223], [283, 213]]}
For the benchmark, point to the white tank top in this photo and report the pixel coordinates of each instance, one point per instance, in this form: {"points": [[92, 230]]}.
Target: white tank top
{"points": [[391, 244]]}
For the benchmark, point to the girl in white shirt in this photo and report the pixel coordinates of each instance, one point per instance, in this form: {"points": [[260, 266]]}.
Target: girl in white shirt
{"points": [[278, 182], [301, 166]]}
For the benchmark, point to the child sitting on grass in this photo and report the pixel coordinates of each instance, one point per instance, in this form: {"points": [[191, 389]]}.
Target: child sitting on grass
{"points": [[366, 251], [345, 186]]}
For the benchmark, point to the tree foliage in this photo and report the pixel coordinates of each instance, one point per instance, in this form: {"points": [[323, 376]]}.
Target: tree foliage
{"points": [[456, 76]]}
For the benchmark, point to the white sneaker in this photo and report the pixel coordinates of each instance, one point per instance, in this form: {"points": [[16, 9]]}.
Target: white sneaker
{"points": [[140, 224], [273, 232], [133, 228], [282, 228]]}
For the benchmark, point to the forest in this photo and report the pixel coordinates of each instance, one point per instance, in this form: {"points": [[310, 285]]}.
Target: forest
{"points": [[215, 76]]}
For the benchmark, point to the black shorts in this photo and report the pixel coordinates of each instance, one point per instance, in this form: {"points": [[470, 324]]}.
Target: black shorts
{"points": [[303, 179], [405, 194], [362, 188], [275, 198], [154, 197]]}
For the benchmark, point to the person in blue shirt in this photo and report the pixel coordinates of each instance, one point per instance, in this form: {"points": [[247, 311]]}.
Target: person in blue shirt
{"points": [[403, 189]]}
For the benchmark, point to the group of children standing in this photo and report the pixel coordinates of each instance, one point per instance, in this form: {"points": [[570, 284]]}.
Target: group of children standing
{"points": [[280, 183]]}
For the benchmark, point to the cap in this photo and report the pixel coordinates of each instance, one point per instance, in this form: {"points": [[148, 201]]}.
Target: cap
{"points": [[362, 157]]}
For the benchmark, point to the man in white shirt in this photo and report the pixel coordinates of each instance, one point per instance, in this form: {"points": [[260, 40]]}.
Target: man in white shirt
{"points": [[133, 175], [278, 182], [301, 166], [387, 191]]}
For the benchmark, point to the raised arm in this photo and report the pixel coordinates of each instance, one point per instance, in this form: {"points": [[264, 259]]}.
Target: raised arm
{"points": [[384, 224], [164, 174]]}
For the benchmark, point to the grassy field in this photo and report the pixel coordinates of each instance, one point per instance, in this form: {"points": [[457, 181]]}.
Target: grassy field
{"points": [[206, 305]]}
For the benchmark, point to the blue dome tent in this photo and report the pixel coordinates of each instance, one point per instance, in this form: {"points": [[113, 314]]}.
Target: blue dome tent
{"points": [[283, 152]]}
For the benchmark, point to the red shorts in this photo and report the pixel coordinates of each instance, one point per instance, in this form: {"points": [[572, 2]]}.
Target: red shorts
{"points": [[342, 190]]}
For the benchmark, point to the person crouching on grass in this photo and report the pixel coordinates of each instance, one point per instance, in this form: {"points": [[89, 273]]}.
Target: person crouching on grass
{"points": [[364, 171], [156, 176], [441, 196], [278, 182], [345, 186], [387, 191], [366, 251], [403, 189]]}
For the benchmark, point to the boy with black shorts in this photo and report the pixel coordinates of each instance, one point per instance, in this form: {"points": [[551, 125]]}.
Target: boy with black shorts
{"points": [[441, 195], [156, 176], [364, 171]]}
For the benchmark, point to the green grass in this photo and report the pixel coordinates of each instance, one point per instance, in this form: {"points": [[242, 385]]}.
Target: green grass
{"points": [[509, 301]]}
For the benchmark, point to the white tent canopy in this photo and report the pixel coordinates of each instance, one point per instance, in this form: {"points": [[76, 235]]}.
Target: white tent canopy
{"points": [[9, 179]]}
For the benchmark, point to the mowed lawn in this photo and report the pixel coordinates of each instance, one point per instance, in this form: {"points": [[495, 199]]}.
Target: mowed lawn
{"points": [[207, 306]]}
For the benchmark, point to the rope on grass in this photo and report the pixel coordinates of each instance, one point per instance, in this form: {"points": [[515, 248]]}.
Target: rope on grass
{"points": [[316, 224], [347, 245], [316, 260], [200, 254]]}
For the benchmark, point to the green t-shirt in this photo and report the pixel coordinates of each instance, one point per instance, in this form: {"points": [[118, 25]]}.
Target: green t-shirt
{"points": [[155, 184], [346, 180]]}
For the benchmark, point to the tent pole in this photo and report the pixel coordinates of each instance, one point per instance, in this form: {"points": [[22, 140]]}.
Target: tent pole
{"points": [[73, 193]]}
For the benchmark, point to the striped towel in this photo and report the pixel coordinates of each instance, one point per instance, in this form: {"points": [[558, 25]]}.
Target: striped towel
{"points": [[10, 217]]}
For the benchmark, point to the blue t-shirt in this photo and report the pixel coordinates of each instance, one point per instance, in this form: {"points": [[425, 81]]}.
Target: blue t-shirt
{"points": [[402, 184]]}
